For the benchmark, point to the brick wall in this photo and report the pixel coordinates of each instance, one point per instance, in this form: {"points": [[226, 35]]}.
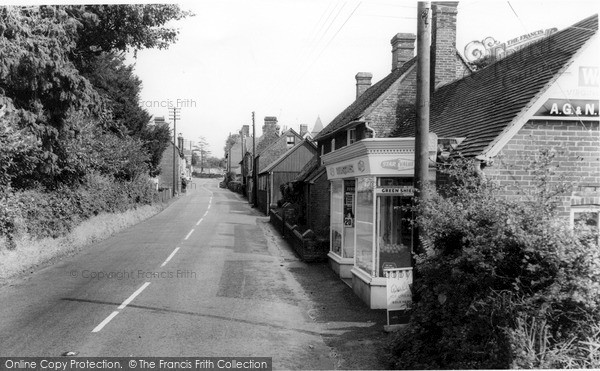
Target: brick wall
{"points": [[385, 115], [318, 206], [577, 147]]}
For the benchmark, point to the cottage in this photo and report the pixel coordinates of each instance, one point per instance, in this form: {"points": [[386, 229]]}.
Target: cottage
{"points": [[544, 95]]}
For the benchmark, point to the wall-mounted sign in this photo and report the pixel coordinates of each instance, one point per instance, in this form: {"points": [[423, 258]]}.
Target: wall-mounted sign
{"points": [[396, 191], [569, 109], [399, 164]]}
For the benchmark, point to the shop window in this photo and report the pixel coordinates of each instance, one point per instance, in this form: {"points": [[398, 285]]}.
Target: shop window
{"points": [[349, 217], [365, 187], [337, 216], [394, 233]]}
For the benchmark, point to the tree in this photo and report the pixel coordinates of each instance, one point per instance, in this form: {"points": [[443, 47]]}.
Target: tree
{"points": [[201, 148]]}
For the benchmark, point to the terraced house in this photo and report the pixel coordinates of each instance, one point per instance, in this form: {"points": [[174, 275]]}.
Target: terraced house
{"points": [[543, 96]]}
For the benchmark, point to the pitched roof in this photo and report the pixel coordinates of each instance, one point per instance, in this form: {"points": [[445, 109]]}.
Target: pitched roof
{"points": [[481, 106], [283, 135], [364, 101], [307, 170], [272, 165]]}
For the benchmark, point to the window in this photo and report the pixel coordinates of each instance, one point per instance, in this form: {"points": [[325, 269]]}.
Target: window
{"points": [[351, 136], [333, 145], [291, 141], [337, 216], [364, 223], [588, 216]]}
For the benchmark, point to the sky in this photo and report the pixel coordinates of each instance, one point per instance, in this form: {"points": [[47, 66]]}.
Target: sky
{"points": [[297, 59]]}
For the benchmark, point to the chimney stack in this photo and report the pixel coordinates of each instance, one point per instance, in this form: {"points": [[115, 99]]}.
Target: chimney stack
{"points": [[444, 68], [363, 82], [270, 125], [245, 132], [403, 49], [303, 129]]}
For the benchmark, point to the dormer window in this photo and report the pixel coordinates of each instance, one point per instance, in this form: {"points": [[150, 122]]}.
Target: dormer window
{"points": [[351, 136]]}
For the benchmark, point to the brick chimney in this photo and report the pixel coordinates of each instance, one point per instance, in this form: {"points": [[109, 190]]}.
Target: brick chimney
{"points": [[443, 43], [403, 49], [363, 82], [303, 129], [245, 132], [270, 125]]}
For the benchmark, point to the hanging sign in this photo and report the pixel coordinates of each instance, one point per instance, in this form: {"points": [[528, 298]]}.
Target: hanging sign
{"points": [[399, 283]]}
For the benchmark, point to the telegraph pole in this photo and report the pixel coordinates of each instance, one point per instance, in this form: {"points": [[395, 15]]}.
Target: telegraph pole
{"points": [[423, 95], [254, 185], [175, 115]]}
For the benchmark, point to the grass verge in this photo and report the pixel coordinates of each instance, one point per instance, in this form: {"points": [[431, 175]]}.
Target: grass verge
{"points": [[30, 254]]}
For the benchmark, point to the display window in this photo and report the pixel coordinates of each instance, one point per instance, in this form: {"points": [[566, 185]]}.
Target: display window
{"points": [[394, 233], [337, 216], [349, 218], [365, 187]]}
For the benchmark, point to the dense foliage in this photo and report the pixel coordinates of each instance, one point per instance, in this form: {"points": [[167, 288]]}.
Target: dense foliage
{"points": [[70, 114], [501, 283]]}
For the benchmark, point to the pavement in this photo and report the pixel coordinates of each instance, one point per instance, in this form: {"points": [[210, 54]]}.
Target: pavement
{"points": [[208, 276]]}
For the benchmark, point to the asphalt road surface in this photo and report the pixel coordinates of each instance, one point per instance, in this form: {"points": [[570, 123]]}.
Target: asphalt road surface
{"points": [[199, 279]]}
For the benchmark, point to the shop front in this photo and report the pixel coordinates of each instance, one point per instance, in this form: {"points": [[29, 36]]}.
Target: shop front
{"points": [[371, 191]]}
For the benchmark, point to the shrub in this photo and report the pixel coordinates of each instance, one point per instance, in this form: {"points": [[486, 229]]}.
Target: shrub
{"points": [[42, 213], [500, 283]]}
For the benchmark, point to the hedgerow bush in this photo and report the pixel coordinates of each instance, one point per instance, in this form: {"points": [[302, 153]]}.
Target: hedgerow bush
{"points": [[501, 283], [43, 213]]}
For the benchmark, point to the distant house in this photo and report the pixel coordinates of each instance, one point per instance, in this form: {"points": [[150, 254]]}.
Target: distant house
{"points": [[281, 171], [269, 155], [165, 178]]}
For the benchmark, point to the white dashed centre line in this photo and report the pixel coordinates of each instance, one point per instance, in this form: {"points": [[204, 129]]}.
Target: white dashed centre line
{"points": [[199, 221], [136, 293], [189, 234], [106, 320], [170, 256]]}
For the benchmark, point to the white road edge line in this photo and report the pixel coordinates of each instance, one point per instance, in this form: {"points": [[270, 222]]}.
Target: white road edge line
{"points": [[189, 234], [199, 221], [169, 258], [136, 293], [106, 320]]}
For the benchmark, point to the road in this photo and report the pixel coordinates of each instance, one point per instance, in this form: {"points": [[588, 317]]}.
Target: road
{"points": [[198, 279]]}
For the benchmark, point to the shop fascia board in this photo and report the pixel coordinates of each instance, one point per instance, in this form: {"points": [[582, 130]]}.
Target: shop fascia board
{"points": [[370, 146], [374, 156]]}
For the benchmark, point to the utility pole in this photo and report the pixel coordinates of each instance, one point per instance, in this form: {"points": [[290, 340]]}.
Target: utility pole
{"points": [[254, 185], [174, 115], [423, 95]]}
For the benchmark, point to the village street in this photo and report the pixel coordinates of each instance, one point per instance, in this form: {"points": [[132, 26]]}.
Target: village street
{"points": [[208, 276]]}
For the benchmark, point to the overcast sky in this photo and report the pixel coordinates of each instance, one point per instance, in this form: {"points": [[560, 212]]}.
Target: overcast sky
{"points": [[296, 59]]}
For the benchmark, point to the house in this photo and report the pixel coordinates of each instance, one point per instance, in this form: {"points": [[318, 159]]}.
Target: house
{"points": [[513, 107], [284, 170], [165, 178], [542, 97], [266, 156]]}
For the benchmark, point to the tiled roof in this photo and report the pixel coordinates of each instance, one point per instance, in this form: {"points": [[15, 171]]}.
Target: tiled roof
{"points": [[307, 170], [363, 102], [481, 106], [272, 165]]}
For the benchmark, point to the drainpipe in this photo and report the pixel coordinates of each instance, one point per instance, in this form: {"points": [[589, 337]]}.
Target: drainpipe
{"points": [[370, 128]]}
